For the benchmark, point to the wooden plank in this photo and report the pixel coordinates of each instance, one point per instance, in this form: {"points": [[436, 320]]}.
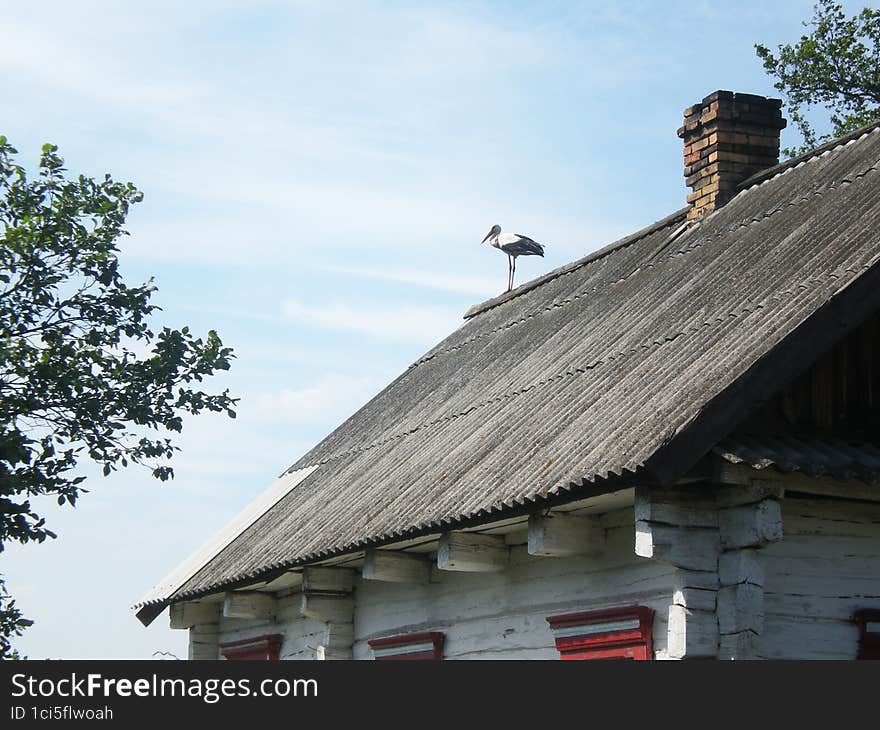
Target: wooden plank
{"points": [[189, 614], [691, 634], [689, 548], [751, 525], [741, 608], [562, 535], [327, 608], [742, 645], [318, 578], [757, 490], [681, 506], [797, 638], [817, 607], [204, 642], [249, 604], [706, 580], [694, 598], [741, 566], [395, 567], [338, 641], [471, 552]]}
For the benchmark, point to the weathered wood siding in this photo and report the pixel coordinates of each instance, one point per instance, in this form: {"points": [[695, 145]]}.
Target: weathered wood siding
{"points": [[502, 615], [826, 567], [302, 635], [838, 395]]}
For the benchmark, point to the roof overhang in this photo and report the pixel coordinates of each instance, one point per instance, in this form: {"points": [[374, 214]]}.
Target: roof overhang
{"points": [[155, 601]]}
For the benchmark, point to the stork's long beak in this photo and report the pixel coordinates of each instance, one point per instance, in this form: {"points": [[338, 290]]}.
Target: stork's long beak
{"points": [[487, 236]]}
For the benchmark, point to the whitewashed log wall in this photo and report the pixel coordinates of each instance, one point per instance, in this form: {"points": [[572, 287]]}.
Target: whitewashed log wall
{"points": [[502, 615], [758, 595], [302, 636], [826, 567], [486, 615]]}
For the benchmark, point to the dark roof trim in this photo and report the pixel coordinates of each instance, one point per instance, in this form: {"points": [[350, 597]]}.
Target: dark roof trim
{"points": [[763, 175], [575, 265], [839, 316]]}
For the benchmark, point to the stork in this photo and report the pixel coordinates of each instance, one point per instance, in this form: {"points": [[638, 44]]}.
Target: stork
{"points": [[513, 244]]}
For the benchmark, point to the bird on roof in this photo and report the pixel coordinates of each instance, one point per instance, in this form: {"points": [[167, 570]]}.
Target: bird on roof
{"points": [[513, 244]]}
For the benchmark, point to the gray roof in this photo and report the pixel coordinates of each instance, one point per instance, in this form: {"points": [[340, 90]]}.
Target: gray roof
{"points": [[815, 457], [632, 362]]}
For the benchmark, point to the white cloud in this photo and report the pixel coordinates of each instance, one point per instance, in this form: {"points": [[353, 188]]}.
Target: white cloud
{"points": [[329, 400], [74, 56], [409, 323], [481, 286]]}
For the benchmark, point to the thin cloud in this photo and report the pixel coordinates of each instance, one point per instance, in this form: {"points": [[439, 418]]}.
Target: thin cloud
{"points": [[329, 400], [482, 286], [407, 323]]}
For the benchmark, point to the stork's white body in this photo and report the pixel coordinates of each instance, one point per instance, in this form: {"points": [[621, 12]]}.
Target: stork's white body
{"points": [[513, 244], [506, 239]]}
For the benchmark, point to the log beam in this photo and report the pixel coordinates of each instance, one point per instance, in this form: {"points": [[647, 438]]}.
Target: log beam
{"points": [[691, 633], [204, 642], [393, 566], [750, 517], [561, 535], [751, 525], [189, 614], [471, 552], [251, 604], [327, 579], [687, 548], [336, 612], [327, 598]]}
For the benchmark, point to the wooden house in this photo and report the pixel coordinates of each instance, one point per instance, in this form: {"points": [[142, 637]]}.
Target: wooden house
{"points": [[667, 449]]}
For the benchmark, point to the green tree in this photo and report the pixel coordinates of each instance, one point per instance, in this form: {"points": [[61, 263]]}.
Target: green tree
{"points": [[835, 65], [73, 387]]}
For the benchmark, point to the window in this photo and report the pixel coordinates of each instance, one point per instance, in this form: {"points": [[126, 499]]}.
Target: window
{"points": [[615, 633], [265, 647], [868, 621], [409, 646]]}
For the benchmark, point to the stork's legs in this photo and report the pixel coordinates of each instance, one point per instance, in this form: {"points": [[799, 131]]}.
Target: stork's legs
{"points": [[513, 274], [510, 261]]}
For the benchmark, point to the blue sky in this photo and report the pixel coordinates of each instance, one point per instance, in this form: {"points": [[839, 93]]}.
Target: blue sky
{"points": [[317, 178]]}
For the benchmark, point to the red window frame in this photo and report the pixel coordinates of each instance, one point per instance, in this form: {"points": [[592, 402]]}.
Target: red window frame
{"points": [[613, 633], [259, 648], [868, 620], [407, 647]]}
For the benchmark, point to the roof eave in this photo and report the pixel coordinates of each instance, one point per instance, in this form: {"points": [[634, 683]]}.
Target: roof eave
{"points": [[147, 612]]}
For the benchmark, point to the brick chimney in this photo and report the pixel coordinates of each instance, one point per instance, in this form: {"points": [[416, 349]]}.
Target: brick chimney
{"points": [[727, 138]]}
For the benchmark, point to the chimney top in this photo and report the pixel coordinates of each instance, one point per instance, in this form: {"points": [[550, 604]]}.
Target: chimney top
{"points": [[727, 137]]}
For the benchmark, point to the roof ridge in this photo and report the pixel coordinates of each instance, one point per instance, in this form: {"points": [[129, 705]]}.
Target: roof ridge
{"points": [[574, 265], [755, 179], [833, 144], [654, 260]]}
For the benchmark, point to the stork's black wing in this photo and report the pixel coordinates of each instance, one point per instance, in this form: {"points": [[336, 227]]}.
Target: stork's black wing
{"points": [[525, 246]]}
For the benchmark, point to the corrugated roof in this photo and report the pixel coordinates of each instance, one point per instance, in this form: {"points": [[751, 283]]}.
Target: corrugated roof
{"points": [[597, 369], [813, 456]]}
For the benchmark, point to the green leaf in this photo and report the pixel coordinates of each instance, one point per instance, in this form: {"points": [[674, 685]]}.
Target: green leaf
{"points": [[67, 318]]}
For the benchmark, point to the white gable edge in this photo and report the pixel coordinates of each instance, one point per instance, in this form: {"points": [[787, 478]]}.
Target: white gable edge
{"points": [[172, 582]]}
